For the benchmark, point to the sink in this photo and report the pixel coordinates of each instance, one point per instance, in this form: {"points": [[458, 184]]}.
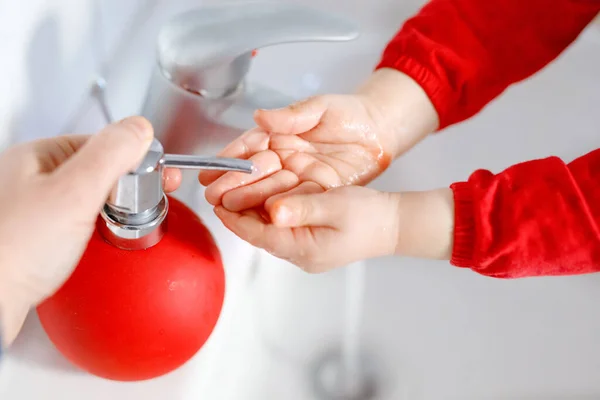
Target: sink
{"points": [[441, 332]]}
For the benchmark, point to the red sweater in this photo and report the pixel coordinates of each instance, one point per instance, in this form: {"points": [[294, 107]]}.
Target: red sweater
{"points": [[536, 218]]}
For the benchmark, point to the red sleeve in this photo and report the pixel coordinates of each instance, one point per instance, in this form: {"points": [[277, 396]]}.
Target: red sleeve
{"points": [[464, 53], [536, 218]]}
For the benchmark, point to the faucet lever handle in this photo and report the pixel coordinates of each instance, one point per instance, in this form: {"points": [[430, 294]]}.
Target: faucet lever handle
{"points": [[207, 51]]}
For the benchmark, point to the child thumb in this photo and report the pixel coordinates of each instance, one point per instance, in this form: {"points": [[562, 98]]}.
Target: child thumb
{"points": [[319, 209], [90, 174], [294, 119]]}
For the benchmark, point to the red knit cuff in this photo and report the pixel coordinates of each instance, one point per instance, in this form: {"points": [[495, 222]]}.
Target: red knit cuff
{"points": [[435, 89], [463, 249]]}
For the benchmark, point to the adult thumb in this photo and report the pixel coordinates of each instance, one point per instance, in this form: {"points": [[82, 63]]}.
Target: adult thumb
{"points": [[319, 209], [92, 171], [294, 119]]}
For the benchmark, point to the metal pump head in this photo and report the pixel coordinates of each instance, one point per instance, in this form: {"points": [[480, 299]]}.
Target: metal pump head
{"points": [[140, 190], [135, 211], [134, 215]]}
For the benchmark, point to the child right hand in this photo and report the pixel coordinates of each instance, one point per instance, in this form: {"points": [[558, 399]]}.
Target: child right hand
{"points": [[319, 230], [330, 140]]}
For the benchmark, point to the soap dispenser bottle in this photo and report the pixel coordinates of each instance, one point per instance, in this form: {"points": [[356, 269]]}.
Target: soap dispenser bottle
{"points": [[149, 288]]}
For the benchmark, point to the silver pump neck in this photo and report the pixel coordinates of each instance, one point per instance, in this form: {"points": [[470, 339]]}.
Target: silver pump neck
{"points": [[140, 190]]}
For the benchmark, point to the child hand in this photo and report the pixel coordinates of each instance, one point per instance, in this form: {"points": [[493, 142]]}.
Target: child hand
{"points": [[319, 230], [329, 141]]}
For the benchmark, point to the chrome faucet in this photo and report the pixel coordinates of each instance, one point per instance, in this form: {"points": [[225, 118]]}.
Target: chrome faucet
{"points": [[198, 98]]}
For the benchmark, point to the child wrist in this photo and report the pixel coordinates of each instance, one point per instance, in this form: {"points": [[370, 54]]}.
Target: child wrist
{"points": [[426, 224], [401, 109]]}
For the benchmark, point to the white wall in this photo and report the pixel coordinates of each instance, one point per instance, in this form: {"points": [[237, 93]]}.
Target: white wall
{"points": [[49, 51]]}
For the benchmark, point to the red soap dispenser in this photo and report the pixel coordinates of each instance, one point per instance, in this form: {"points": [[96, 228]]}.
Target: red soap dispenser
{"points": [[149, 288]]}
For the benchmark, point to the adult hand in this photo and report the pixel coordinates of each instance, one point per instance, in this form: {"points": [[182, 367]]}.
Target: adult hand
{"points": [[53, 191], [329, 140]]}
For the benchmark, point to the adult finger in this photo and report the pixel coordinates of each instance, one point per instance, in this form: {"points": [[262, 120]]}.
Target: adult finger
{"points": [[44, 155], [171, 179], [91, 172], [52, 152]]}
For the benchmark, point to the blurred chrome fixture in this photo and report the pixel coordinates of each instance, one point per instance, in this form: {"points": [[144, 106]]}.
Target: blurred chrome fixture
{"points": [[198, 99]]}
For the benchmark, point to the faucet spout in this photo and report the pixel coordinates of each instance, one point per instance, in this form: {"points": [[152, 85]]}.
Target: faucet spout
{"points": [[208, 51], [198, 99]]}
